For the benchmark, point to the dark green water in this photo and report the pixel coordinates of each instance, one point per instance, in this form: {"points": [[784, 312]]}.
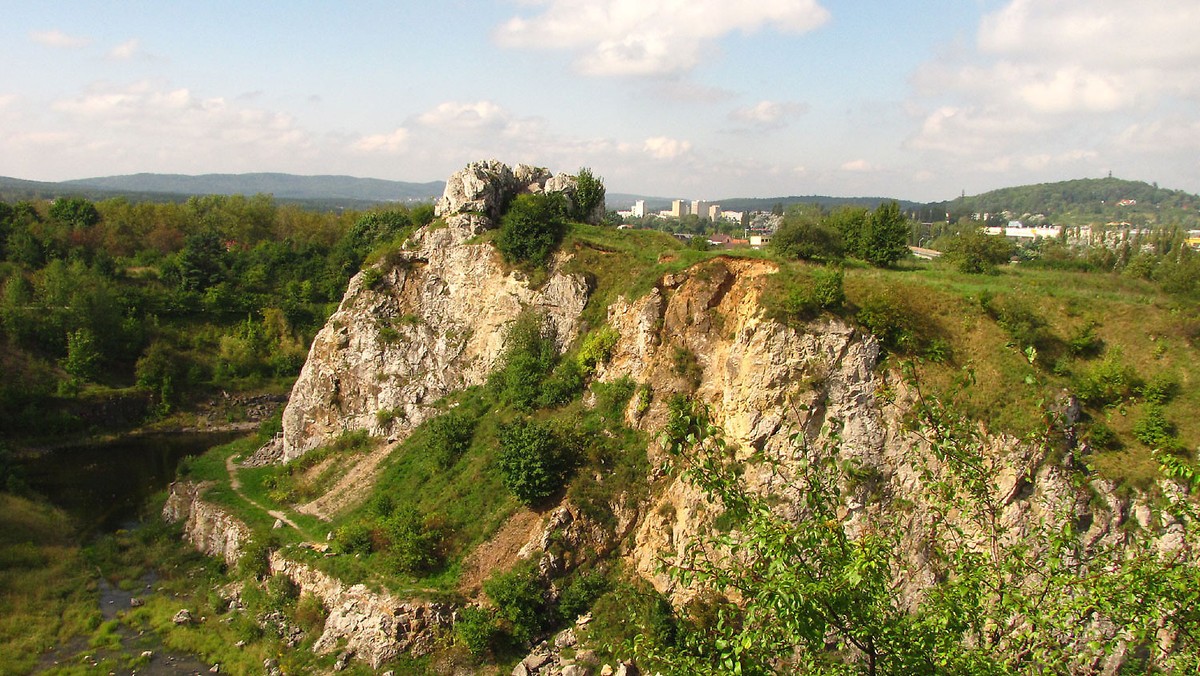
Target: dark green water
{"points": [[105, 486]]}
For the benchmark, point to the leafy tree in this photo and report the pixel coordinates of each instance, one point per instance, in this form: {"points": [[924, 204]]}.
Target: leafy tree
{"points": [[589, 194], [803, 235], [851, 223], [75, 212], [83, 358], [976, 252], [533, 461], [531, 229], [886, 238]]}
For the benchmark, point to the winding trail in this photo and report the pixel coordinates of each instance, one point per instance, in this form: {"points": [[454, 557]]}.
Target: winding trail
{"points": [[236, 484]]}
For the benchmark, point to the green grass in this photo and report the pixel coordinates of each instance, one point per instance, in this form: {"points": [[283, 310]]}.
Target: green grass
{"points": [[46, 589]]}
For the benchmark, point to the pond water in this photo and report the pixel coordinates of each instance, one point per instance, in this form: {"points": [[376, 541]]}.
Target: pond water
{"points": [[104, 486]]}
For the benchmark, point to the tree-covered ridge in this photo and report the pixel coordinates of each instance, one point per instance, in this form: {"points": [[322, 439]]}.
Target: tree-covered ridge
{"points": [[163, 301], [1082, 202]]}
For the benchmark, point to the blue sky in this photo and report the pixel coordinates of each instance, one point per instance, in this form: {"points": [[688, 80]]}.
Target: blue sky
{"points": [[701, 99]]}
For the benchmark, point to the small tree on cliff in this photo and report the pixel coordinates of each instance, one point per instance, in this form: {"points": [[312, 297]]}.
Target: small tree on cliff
{"points": [[589, 194]]}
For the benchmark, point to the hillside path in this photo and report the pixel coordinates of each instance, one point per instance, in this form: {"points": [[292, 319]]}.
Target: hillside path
{"points": [[236, 484]]}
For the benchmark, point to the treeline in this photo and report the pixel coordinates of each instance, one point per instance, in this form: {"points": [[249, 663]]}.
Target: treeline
{"points": [[169, 299]]}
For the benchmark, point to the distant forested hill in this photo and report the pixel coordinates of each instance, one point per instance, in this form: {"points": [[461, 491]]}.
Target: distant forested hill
{"points": [[282, 186], [1084, 201]]}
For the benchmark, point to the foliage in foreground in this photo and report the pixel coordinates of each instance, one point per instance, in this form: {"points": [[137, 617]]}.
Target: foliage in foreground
{"points": [[802, 595]]}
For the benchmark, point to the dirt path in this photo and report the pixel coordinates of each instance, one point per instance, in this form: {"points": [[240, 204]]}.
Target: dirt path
{"points": [[236, 484], [351, 489], [500, 552]]}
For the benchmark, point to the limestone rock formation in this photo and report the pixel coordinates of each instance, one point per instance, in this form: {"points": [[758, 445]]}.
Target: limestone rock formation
{"points": [[428, 321]]}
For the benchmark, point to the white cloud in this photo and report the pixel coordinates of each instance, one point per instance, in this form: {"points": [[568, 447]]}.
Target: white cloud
{"points": [[768, 115], [58, 39], [1054, 86], [859, 165], [456, 115], [650, 37], [125, 51], [138, 126], [393, 142], [664, 148]]}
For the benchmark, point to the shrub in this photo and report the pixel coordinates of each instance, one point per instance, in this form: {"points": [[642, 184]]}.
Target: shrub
{"points": [[450, 436], [414, 541], [802, 235], [533, 463], [596, 349], [531, 229], [579, 596], [1160, 389], [520, 599], [562, 386], [477, 630], [353, 538], [1154, 430], [1106, 382], [976, 252], [884, 317], [529, 354]]}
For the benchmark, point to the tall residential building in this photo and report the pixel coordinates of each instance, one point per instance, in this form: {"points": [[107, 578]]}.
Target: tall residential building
{"points": [[714, 212], [639, 209], [679, 208], [700, 208]]}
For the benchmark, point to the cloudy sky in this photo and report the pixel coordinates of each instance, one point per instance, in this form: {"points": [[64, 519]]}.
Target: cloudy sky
{"points": [[703, 99]]}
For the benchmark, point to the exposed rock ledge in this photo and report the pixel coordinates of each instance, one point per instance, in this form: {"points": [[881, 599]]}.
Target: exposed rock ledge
{"points": [[374, 627]]}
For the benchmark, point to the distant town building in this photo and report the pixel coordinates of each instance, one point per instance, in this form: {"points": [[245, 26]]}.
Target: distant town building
{"points": [[700, 208], [759, 241], [639, 209], [679, 208]]}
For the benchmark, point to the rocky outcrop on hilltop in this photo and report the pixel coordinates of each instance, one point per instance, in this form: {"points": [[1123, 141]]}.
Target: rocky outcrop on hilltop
{"points": [[426, 321]]}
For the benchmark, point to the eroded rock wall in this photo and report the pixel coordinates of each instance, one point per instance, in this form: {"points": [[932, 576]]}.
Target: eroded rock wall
{"points": [[425, 322]]}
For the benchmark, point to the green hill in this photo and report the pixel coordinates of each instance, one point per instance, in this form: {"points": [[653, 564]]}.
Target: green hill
{"points": [[1084, 202]]}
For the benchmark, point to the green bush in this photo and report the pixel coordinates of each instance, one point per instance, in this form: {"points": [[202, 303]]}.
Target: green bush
{"points": [[596, 349], [520, 599], [529, 354], [888, 321], [1154, 430], [449, 437], [579, 596], [562, 386], [531, 229], [477, 630], [353, 538], [414, 542], [802, 235], [533, 462], [1107, 382], [977, 252]]}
